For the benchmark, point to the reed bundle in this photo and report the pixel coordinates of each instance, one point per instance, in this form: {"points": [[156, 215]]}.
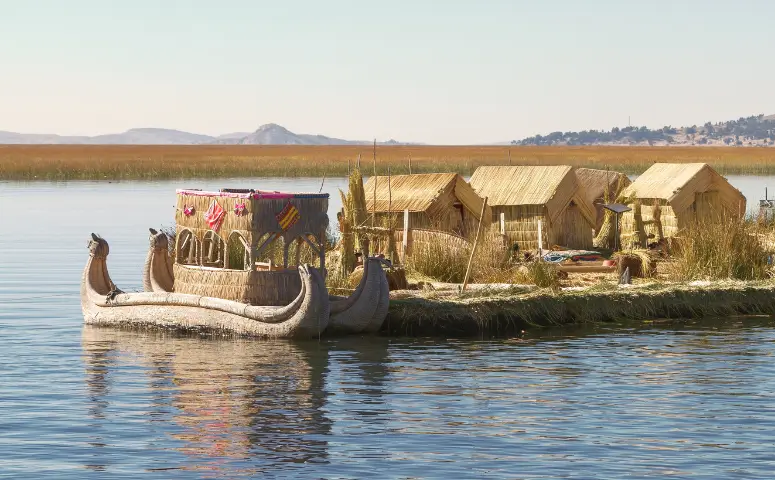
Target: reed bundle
{"points": [[254, 287]]}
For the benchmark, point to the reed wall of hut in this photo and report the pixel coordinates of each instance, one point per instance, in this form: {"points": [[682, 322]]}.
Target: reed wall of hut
{"points": [[671, 196], [527, 194], [423, 237], [595, 183], [435, 201]]}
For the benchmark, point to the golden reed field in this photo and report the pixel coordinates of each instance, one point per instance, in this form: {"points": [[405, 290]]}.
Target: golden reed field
{"points": [[64, 162]]}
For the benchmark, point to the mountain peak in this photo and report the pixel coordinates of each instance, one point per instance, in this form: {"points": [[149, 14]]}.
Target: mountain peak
{"points": [[272, 126]]}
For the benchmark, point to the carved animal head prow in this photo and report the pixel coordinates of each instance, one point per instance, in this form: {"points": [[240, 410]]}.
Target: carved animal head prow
{"points": [[98, 247], [158, 240]]}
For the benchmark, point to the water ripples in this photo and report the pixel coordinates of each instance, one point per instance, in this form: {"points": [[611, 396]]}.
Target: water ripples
{"points": [[681, 401]]}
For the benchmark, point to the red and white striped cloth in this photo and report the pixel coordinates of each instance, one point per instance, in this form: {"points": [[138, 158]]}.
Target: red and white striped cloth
{"points": [[215, 215]]}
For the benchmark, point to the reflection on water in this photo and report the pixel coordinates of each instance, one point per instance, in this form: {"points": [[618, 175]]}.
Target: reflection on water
{"points": [[227, 399], [675, 400]]}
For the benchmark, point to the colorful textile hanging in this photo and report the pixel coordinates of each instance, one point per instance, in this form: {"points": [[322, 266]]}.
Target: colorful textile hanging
{"points": [[215, 215], [288, 217]]}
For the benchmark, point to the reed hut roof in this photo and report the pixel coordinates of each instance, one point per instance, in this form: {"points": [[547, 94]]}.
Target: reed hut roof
{"points": [[677, 183], [552, 186], [595, 182], [418, 193]]}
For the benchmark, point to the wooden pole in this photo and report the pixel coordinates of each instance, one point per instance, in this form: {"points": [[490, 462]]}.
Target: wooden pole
{"points": [[540, 239], [390, 194], [473, 248], [410, 164], [509, 156], [374, 204], [389, 217], [298, 250], [405, 243]]}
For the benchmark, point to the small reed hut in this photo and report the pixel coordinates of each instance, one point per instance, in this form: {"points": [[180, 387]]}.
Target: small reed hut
{"points": [[596, 184], [668, 196], [523, 196], [442, 202]]}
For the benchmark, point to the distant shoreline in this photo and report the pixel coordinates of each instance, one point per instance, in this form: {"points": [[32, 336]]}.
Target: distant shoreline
{"points": [[127, 162]]}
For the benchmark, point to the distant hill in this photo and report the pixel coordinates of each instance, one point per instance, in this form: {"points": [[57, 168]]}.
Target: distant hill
{"points": [[273, 134], [269, 134], [151, 136], [757, 130]]}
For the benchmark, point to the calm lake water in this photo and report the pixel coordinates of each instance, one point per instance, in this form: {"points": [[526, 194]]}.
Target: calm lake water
{"points": [[690, 400]]}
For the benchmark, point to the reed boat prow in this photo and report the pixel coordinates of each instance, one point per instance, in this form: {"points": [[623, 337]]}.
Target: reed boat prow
{"points": [[365, 309], [158, 273], [104, 304]]}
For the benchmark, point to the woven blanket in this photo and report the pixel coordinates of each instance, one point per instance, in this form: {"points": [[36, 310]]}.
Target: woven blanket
{"points": [[573, 256]]}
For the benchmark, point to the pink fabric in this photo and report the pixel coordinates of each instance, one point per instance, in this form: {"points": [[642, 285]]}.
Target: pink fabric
{"points": [[257, 195], [215, 215]]}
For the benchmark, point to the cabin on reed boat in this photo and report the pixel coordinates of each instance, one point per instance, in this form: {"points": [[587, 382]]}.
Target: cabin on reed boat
{"points": [[442, 202], [526, 198], [596, 183], [669, 196], [244, 245]]}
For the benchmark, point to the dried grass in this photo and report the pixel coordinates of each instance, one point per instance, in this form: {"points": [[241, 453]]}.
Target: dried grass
{"points": [[63, 162], [732, 249]]}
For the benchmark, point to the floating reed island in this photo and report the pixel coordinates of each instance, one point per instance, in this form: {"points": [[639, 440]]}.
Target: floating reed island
{"points": [[688, 251], [433, 254]]}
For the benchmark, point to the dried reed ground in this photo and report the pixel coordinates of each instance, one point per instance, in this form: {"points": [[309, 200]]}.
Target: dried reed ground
{"points": [[64, 162]]}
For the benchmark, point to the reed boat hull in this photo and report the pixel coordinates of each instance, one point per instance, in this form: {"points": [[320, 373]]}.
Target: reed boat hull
{"points": [[364, 311], [104, 304]]}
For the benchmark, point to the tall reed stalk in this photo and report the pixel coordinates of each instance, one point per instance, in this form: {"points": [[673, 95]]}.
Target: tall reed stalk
{"points": [[729, 249]]}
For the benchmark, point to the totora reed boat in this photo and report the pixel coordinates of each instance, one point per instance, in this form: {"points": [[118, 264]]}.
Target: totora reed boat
{"points": [[240, 264]]}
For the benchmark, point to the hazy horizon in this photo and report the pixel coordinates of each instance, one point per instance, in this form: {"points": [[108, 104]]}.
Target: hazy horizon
{"points": [[467, 73]]}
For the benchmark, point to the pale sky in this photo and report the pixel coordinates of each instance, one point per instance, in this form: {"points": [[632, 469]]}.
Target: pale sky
{"points": [[447, 72]]}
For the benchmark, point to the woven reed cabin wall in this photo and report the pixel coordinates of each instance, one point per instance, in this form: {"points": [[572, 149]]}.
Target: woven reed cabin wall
{"points": [[436, 201], [669, 196], [595, 183], [225, 260], [527, 194]]}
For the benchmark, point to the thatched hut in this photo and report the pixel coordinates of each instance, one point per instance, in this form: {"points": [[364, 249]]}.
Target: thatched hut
{"points": [[596, 184], [668, 196], [442, 202], [521, 196]]}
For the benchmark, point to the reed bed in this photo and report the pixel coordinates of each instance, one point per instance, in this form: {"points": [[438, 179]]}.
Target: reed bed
{"points": [[731, 249], [114, 162], [434, 261]]}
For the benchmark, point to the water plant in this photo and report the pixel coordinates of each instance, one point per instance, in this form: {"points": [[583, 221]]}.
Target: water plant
{"points": [[114, 162]]}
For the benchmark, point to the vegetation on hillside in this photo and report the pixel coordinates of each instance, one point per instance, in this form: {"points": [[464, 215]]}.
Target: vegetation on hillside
{"points": [[758, 129]]}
